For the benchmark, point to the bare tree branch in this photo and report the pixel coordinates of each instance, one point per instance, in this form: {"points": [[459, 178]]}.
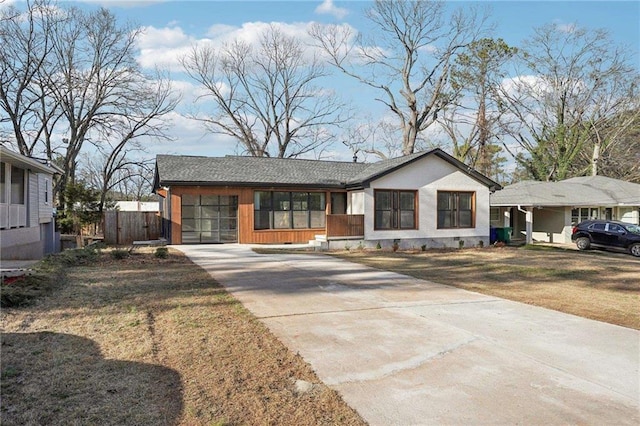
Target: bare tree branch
{"points": [[407, 60], [266, 96]]}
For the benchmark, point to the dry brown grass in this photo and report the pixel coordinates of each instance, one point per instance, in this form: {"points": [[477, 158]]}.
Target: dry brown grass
{"points": [[604, 287], [151, 341]]}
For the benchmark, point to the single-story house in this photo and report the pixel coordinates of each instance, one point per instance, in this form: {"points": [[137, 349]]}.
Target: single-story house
{"points": [[547, 211], [27, 226], [427, 198]]}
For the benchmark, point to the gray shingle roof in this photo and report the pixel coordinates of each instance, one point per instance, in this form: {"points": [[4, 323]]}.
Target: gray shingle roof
{"points": [[255, 171], [578, 191]]}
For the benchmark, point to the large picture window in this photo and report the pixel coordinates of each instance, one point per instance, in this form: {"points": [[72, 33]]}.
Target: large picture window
{"points": [[209, 218], [456, 210], [288, 210], [395, 209]]}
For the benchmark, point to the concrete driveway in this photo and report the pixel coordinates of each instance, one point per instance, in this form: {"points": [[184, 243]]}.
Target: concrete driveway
{"points": [[403, 351]]}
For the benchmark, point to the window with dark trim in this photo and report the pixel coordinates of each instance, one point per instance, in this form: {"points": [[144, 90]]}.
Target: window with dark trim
{"points": [[456, 210], [17, 185], [394, 209], [288, 210]]}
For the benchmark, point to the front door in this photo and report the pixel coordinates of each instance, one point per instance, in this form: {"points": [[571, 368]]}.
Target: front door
{"points": [[209, 219]]}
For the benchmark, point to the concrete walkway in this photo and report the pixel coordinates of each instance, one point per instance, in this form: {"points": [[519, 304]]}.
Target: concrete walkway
{"points": [[403, 351]]}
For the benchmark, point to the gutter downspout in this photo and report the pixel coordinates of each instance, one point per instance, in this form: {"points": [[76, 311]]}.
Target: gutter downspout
{"points": [[528, 214]]}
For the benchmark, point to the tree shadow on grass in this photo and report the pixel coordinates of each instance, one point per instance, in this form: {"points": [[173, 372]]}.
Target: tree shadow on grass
{"points": [[61, 379]]}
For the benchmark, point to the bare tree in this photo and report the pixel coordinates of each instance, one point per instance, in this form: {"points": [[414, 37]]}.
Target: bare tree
{"points": [[266, 96], [571, 84], [407, 60], [74, 73], [25, 63], [370, 138], [472, 120], [621, 157], [125, 176]]}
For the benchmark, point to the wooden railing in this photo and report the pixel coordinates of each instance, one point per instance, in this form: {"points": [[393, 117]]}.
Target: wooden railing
{"points": [[345, 225]]}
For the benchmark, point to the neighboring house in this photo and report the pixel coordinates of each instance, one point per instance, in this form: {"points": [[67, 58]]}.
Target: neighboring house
{"points": [[547, 211], [137, 206], [426, 198], [27, 227]]}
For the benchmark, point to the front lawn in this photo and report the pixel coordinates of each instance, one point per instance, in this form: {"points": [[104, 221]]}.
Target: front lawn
{"points": [[148, 341]]}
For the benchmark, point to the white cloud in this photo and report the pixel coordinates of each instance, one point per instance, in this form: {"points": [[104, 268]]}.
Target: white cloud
{"points": [[564, 27], [250, 32], [220, 30], [6, 3], [190, 138], [328, 8], [525, 84], [166, 37], [430, 49], [164, 47]]}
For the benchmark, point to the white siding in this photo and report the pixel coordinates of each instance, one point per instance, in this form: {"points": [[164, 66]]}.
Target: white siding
{"points": [[32, 199], [355, 202], [429, 175], [45, 209]]}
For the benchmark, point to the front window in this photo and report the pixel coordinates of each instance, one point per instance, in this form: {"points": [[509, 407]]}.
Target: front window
{"points": [[584, 213], [288, 210], [17, 185], [395, 209], [456, 209]]}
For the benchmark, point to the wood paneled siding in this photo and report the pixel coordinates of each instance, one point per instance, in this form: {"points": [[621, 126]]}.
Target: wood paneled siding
{"points": [[246, 233], [345, 225]]}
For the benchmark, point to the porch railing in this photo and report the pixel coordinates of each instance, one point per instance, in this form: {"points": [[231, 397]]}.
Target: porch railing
{"points": [[345, 225]]}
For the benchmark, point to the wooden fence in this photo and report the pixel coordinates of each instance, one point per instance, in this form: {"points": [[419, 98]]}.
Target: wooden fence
{"points": [[122, 228]]}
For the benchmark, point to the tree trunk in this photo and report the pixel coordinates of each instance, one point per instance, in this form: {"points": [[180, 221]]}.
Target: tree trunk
{"points": [[594, 158]]}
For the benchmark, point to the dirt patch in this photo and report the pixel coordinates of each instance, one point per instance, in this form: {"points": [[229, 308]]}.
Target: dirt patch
{"points": [[145, 340], [604, 287]]}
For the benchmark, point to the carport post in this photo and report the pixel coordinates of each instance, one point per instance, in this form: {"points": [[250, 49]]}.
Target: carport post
{"points": [[528, 215]]}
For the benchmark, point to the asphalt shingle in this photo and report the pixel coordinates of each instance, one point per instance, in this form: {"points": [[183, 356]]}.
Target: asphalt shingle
{"points": [[256, 171], [578, 191]]}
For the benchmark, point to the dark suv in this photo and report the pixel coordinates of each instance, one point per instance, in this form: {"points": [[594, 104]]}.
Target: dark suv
{"points": [[607, 233]]}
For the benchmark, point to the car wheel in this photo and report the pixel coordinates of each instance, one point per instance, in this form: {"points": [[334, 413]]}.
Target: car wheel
{"points": [[583, 243], [635, 250]]}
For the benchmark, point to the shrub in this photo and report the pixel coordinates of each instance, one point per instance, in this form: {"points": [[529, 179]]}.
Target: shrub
{"points": [[120, 254], [161, 253], [80, 256]]}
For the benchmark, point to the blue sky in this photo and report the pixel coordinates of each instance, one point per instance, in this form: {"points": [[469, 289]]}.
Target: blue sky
{"points": [[172, 27], [514, 19]]}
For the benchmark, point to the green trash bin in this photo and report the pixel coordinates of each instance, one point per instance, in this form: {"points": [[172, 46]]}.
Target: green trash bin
{"points": [[503, 234], [507, 234]]}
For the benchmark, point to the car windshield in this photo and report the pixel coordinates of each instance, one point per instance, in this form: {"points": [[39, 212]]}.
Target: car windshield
{"points": [[633, 228]]}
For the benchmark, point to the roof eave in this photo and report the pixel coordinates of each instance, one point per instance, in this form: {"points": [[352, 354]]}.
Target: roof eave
{"points": [[253, 184], [28, 162]]}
